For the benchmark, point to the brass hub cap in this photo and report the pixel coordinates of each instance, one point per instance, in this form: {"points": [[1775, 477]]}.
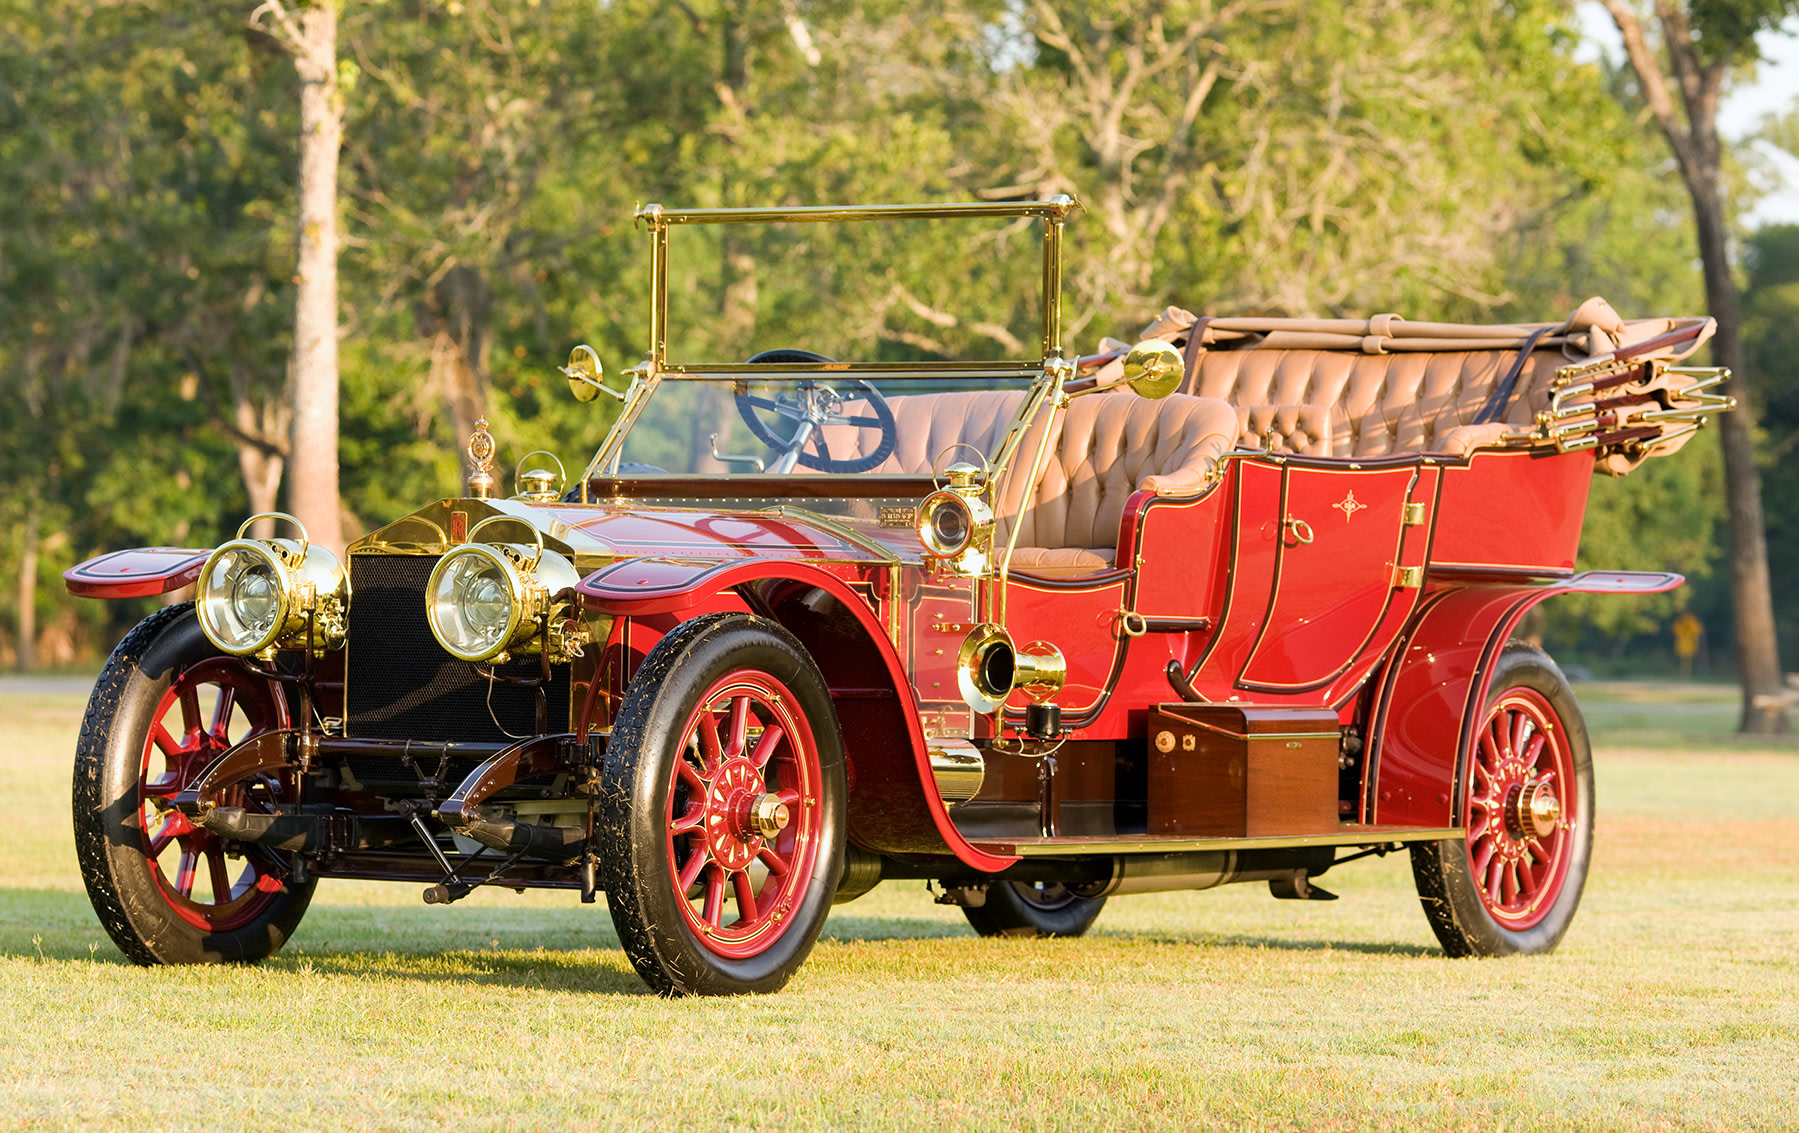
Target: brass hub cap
{"points": [[1532, 810]]}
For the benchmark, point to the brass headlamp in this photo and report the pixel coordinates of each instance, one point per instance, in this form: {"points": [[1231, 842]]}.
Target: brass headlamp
{"points": [[486, 600], [259, 595], [955, 523]]}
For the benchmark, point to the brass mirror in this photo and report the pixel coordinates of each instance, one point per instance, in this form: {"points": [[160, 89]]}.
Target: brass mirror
{"points": [[1153, 369], [586, 377]]}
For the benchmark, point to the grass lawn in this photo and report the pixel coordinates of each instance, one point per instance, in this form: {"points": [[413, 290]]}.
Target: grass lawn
{"points": [[1674, 1001]]}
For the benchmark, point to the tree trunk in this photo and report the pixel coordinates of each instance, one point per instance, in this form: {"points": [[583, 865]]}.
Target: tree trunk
{"points": [[27, 651], [453, 316], [1758, 653], [312, 488]]}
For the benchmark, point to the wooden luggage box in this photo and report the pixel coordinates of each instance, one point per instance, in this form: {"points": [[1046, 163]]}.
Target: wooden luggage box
{"points": [[1240, 771]]}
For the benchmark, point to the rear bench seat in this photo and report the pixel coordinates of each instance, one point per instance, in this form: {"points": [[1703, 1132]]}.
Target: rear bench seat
{"points": [[1355, 388]]}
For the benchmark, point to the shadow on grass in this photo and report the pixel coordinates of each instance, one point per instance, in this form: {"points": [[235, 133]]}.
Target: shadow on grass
{"points": [[1275, 943], [572, 950]]}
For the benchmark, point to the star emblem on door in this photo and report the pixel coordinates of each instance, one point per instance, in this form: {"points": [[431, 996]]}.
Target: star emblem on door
{"points": [[1349, 505]]}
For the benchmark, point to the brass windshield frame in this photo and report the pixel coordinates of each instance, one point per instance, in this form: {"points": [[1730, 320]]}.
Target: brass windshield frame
{"points": [[656, 367]]}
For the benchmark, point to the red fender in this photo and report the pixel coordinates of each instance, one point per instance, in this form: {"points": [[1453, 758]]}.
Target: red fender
{"points": [[1428, 704], [897, 799], [135, 573]]}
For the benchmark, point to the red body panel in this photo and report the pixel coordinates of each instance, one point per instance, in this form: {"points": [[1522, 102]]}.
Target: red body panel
{"points": [[1514, 511], [135, 573]]}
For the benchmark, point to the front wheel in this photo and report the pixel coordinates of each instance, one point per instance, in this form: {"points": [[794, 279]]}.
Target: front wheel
{"points": [[722, 815], [168, 892], [1024, 908], [1527, 801]]}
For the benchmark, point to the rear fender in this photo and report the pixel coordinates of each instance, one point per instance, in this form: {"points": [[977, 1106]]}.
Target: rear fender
{"points": [[893, 806], [135, 573], [1428, 703]]}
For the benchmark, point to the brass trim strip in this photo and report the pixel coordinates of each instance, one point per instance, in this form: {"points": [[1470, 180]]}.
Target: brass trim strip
{"points": [[1056, 208], [1351, 836], [778, 371]]}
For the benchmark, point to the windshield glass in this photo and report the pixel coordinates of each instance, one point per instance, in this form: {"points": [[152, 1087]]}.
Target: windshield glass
{"points": [[829, 424]]}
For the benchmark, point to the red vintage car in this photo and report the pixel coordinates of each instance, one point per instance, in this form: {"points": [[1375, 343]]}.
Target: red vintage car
{"points": [[1232, 604]]}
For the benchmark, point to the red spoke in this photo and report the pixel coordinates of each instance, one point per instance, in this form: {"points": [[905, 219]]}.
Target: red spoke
{"points": [[1537, 744], [163, 740], [777, 865], [1483, 856], [690, 872], [740, 725], [1521, 730], [221, 715], [1489, 746], [746, 897], [1496, 868], [1527, 877], [791, 798], [689, 822], [190, 709], [184, 873], [715, 898], [220, 877], [709, 746], [690, 776], [765, 747]]}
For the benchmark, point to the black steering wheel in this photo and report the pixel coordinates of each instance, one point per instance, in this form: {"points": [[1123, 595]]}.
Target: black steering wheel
{"points": [[808, 405]]}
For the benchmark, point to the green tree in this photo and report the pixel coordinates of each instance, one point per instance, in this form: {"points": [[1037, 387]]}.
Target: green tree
{"points": [[1701, 44]]}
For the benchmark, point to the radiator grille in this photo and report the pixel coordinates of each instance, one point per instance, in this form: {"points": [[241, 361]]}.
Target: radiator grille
{"points": [[399, 682]]}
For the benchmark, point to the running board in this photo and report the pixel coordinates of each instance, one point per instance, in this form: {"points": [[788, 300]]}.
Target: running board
{"points": [[1139, 844]]}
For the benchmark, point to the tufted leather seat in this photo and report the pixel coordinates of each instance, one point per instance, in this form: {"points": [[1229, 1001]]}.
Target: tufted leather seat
{"points": [[1103, 448], [1379, 386], [1332, 403]]}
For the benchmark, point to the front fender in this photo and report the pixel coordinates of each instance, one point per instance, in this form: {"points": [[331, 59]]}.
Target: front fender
{"points": [[135, 573], [1429, 701], [894, 808]]}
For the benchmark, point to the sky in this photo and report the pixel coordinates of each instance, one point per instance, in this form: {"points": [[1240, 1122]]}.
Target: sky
{"points": [[1774, 88]]}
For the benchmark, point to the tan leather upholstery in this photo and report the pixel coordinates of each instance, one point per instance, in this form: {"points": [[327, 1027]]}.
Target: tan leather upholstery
{"points": [[1302, 429], [1383, 385], [1103, 448], [1369, 404]]}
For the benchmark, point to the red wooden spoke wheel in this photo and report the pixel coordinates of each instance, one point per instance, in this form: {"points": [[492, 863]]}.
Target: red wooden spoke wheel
{"points": [[722, 814], [1514, 884], [168, 892], [743, 813], [1519, 778], [207, 709]]}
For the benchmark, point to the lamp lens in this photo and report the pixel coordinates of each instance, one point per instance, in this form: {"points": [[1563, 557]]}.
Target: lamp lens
{"points": [[472, 606], [241, 600], [949, 525]]}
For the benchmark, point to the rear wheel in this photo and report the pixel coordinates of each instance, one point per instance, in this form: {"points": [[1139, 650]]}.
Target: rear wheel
{"points": [[1527, 800], [1026, 908], [723, 811], [168, 703]]}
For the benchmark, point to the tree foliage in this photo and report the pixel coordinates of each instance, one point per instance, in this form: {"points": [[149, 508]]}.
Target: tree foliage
{"points": [[1434, 157]]}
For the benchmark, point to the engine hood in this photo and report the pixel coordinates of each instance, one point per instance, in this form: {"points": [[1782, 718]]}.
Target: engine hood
{"points": [[596, 534]]}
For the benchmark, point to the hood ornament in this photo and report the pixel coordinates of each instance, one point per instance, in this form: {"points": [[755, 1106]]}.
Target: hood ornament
{"points": [[480, 456]]}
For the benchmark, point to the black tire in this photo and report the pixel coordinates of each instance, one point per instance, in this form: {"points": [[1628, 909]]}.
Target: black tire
{"points": [[1023, 908], [146, 912], [1511, 888], [728, 660]]}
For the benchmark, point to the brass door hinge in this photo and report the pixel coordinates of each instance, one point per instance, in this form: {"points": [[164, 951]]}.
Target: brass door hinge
{"points": [[1414, 515], [1408, 578]]}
